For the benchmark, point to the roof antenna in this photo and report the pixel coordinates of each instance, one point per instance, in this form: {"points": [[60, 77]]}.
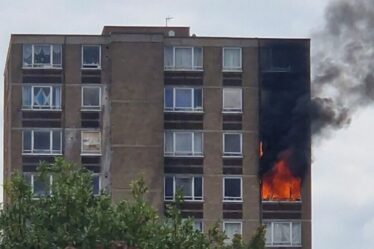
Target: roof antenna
{"points": [[167, 19]]}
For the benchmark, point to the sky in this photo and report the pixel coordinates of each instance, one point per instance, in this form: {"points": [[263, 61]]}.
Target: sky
{"points": [[343, 196]]}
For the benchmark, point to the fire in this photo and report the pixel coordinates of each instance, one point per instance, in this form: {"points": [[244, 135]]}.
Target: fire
{"points": [[279, 184]]}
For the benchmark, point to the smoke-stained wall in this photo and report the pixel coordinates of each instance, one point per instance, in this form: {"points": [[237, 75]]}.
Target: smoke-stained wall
{"points": [[285, 101]]}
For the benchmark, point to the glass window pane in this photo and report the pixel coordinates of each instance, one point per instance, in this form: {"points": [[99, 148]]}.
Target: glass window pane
{"points": [[27, 55], [41, 186], [231, 229], [183, 98], [169, 190], [198, 181], [296, 233], [96, 184], [231, 58], [91, 142], [26, 97], [56, 146], [57, 97], [26, 141], [183, 142], [27, 178], [168, 98], [198, 142], [232, 187], [91, 56], [232, 99], [184, 185], [282, 233], [198, 57], [183, 58], [198, 226], [42, 97], [91, 96], [42, 141], [232, 143], [198, 98], [168, 57], [268, 233], [169, 144], [42, 54], [57, 55]]}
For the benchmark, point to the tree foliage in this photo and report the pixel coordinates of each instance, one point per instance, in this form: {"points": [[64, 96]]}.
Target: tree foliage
{"points": [[72, 217]]}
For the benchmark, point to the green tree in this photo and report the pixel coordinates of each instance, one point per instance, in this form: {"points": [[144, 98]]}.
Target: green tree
{"points": [[72, 217]]}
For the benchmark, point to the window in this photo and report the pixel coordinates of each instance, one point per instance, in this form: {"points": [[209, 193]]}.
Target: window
{"points": [[39, 187], [232, 189], [42, 56], [232, 100], [183, 143], [96, 184], [183, 99], [91, 97], [91, 56], [183, 58], [42, 142], [232, 144], [231, 228], [91, 142], [232, 59], [283, 233], [41, 97], [198, 225], [190, 186]]}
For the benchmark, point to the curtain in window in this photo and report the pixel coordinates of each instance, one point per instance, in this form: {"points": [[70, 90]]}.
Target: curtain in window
{"points": [[183, 142], [296, 233], [27, 54], [57, 55], [282, 233], [168, 57], [268, 233], [91, 142], [42, 96], [184, 185], [231, 58], [26, 97], [232, 99], [56, 97], [232, 143], [183, 98], [42, 54], [183, 58], [231, 229]]}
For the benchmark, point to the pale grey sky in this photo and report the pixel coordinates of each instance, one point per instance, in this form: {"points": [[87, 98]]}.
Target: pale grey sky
{"points": [[343, 196]]}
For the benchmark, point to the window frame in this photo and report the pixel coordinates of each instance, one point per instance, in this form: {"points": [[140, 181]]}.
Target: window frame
{"points": [[85, 153], [174, 153], [240, 68], [232, 199], [33, 175], [90, 108], [193, 67], [32, 151], [232, 154], [51, 89], [192, 198], [290, 223], [41, 65], [90, 66], [174, 108], [232, 110], [229, 240]]}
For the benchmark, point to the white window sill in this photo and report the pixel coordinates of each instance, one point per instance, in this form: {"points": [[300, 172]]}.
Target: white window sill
{"points": [[181, 156], [184, 69], [91, 68], [41, 154], [232, 112], [233, 201], [44, 67], [98, 109], [276, 246], [184, 111], [91, 154], [43, 110], [232, 156], [184, 200], [239, 70]]}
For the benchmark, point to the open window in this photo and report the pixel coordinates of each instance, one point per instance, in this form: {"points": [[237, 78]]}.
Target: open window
{"points": [[91, 142], [42, 56], [91, 56]]}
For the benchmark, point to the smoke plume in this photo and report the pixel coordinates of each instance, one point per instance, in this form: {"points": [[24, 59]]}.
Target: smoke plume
{"points": [[342, 64]]}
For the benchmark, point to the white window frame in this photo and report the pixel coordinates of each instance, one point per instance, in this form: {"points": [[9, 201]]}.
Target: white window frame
{"points": [[227, 110], [40, 65], [193, 67], [232, 154], [87, 153], [90, 66], [240, 68], [188, 198], [32, 152], [232, 199], [179, 109], [33, 175], [290, 222], [90, 108], [175, 153], [51, 107], [229, 240]]}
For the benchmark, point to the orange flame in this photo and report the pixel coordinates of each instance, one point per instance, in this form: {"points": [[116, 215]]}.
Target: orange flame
{"points": [[279, 184]]}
